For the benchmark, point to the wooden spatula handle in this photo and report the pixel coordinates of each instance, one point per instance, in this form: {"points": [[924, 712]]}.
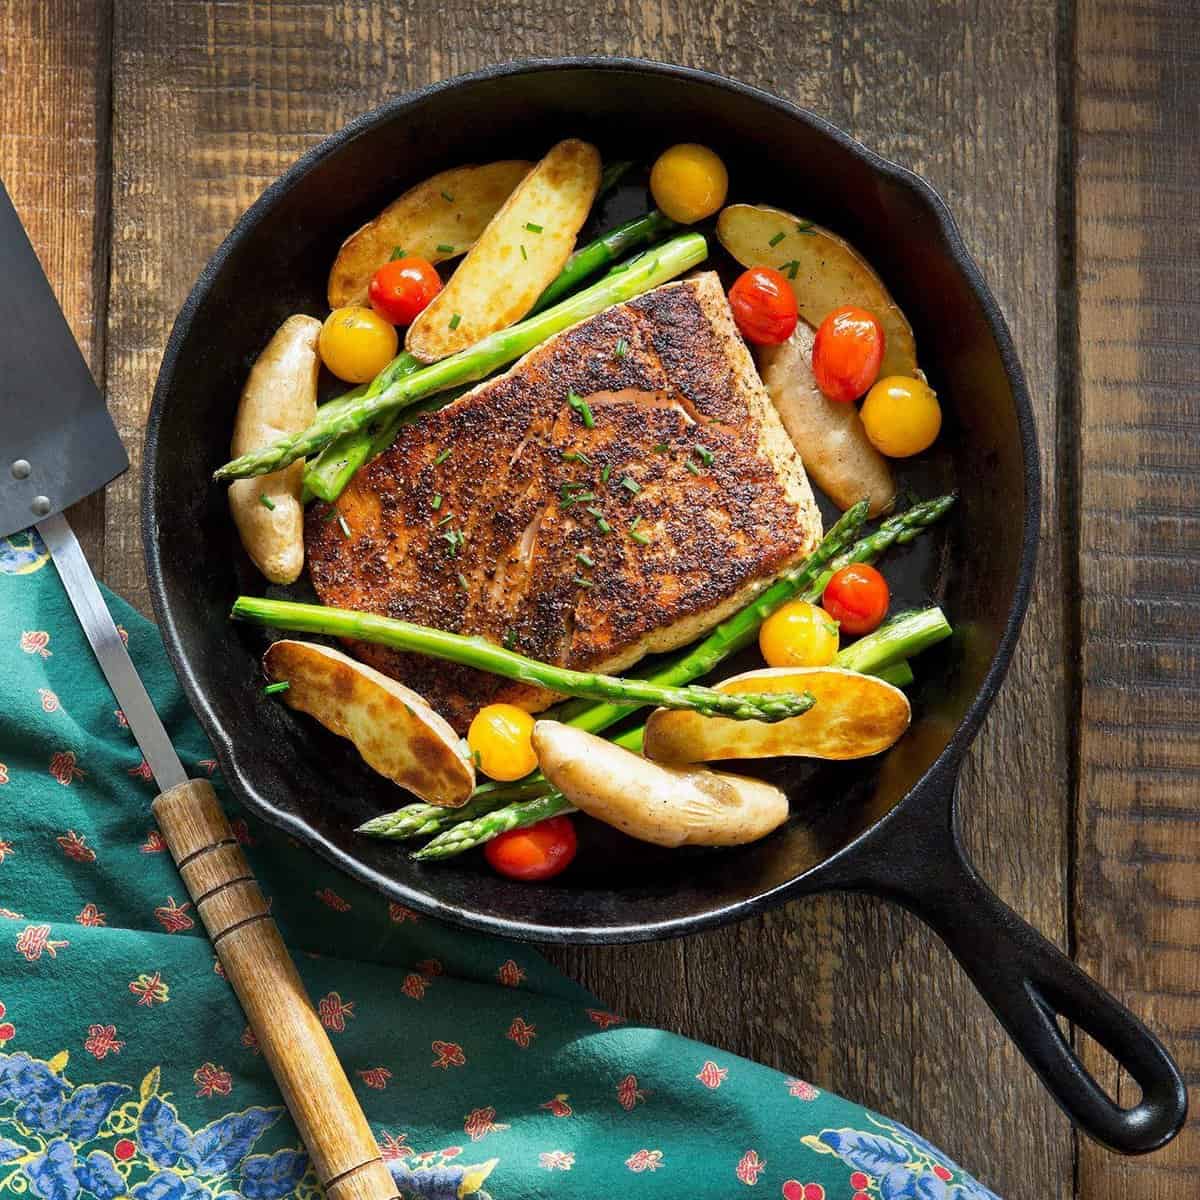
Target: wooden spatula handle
{"points": [[256, 962]]}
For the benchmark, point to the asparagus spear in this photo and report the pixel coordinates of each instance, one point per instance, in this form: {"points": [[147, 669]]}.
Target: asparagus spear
{"points": [[605, 250], [417, 820], [483, 655], [610, 177], [469, 834], [806, 580], [668, 261], [898, 674], [895, 641]]}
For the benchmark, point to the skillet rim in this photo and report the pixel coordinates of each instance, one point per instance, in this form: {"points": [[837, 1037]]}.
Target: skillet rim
{"points": [[946, 763]]}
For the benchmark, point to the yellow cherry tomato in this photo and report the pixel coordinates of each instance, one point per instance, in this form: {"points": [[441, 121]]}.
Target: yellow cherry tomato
{"points": [[357, 343], [501, 739], [901, 416], [688, 183], [798, 635]]}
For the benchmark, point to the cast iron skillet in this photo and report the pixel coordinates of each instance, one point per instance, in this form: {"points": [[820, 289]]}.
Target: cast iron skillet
{"points": [[887, 826]]}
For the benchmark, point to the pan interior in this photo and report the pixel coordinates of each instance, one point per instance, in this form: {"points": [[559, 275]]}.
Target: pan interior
{"points": [[313, 783]]}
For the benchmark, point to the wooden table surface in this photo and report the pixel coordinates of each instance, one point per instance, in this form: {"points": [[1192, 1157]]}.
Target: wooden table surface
{"points": [[1063, 136]]}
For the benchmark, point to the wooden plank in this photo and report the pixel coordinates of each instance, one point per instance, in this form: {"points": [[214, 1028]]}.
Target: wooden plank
{"points": [[54, 94], [213, 100], [1137, 838]]}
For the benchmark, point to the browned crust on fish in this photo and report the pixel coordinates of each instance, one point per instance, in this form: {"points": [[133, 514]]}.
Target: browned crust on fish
{"points": [[717, 537]]}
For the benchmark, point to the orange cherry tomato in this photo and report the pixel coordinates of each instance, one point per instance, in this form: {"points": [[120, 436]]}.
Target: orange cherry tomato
{"points": [[857, 598], [847, 352], [538, 851], [401, 289], [764, 306]]}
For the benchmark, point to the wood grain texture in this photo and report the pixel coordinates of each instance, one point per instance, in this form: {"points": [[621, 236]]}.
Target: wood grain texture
{"points": [[286, 1026], [1137, 900], [213, 100], [54, 138]]}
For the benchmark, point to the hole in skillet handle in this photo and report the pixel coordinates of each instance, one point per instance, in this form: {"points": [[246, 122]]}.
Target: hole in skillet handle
{"points": [[915, 858]]}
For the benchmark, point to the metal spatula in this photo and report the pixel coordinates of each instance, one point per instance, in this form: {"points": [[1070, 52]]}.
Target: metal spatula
{"points": [[57, 445]]}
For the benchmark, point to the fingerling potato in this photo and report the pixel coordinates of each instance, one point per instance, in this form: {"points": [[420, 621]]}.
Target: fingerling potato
{"points": [[394, 728], [825, 272], [438, 219], [516, 257], [280, 397], [828, 436], [669, 806], [854, 716]]}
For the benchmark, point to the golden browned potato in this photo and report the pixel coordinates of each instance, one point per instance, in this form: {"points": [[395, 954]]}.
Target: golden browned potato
{"points": [[392, 727], [280, 397], [854, 716], [517, 255], [669, 806], [825, 271], [828, 436], [438, 219]]}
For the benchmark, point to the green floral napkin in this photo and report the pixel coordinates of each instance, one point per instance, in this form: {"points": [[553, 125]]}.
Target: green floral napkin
{"points": [[127, 1068]]}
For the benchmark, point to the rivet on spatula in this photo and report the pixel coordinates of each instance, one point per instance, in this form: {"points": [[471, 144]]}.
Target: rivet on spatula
{"points": [[40, 506], [21, 468]]}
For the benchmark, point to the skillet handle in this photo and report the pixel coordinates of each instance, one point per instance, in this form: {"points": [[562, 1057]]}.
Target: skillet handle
{"points": [[921, 864]]}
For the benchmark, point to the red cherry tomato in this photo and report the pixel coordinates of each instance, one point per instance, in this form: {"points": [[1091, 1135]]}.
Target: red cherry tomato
{"points": [[536, 852], [847, 353], [857, 597], [401, 289], [764, 306]]}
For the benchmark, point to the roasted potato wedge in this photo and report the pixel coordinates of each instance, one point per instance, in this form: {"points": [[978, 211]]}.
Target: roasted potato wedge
{"points": [[669, 806], [280, 397], [516, 256], [435, 220], [828, 273], [828, 436], [854, 716], [391, 726]]}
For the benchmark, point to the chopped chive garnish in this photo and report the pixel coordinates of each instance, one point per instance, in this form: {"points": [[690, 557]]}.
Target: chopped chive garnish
{"points": [[266, 501], [477, 759], [580, 405], [579, 579], [454, 320], [604, 474], [777, 238], [448, 198], [454, 538], [635, 523], [447, 517], [577, 456], [569, 498], [398, 252], [805, 227], [622, 348], [790, 267], [691, 466], [444, 248], [273, 689], [510, 638], [706, 455], [436, 502], [532, 227], [584, 559], [639, 537], [524, 256], [601, 523], [462, 582], [631, 485], [443, 455], [660, 447], [345, 527]]}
